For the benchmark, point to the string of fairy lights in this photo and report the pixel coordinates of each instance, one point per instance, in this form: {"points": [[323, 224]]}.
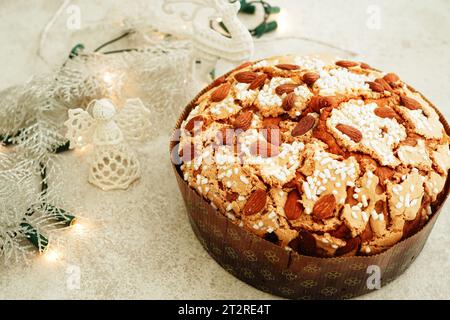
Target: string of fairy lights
{"points": [[65, 218]]}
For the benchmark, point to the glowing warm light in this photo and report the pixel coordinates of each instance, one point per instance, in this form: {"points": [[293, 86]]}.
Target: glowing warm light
{"points": [[108, 78], [284, 22], [52, 255], [80, 139], [81, 150], [78, 228]]}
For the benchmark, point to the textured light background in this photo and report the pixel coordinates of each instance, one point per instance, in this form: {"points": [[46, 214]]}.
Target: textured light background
{"points": [[139, 244]]}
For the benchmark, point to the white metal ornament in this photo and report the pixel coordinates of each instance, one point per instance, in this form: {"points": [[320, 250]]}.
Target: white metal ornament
{"points": [[113, 165], [210, 45]]}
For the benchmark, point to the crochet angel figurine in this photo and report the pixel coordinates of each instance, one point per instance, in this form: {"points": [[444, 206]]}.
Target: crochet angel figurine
{"points": [[113, 165]]}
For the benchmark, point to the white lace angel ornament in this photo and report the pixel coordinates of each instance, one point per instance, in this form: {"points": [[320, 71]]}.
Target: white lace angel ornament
{"points": [[113, 165]]}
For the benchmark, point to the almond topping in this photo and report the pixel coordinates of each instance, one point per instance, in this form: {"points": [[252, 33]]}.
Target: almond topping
{"points": [[243, 120], [303, 126], [292, 207], [244, 65], [258, 82], [310, 77], [221, 92], [245, 76], [391, 78], [324, 207], [364, 65], [346, 64], [384, 83], [410, 103], [374, 86], [286, 66], [289, 101], [255, 203], [350, 131], [285, 88], [195, 123], [385, 112], [218, 81], [318, 102]]}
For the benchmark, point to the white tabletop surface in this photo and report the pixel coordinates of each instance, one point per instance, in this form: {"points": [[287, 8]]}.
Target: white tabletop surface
{"points": [[151, 252]]}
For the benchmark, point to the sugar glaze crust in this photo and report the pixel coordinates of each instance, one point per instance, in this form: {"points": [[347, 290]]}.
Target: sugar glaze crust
{"points": [[324, 157]]}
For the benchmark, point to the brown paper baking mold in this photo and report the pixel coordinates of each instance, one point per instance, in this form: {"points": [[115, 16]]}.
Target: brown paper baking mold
{"points": [[273, 269]]}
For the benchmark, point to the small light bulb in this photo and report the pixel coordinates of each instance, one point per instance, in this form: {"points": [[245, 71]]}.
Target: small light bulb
{"points": [[78, 228], [284, 21], [52, 255], [108, 78]]}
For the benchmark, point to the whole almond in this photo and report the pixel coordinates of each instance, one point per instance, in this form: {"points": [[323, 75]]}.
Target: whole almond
{"points": [[318, 102], [287, 66], [194, 123], [350, 131], [310, 78], [220, 93], [324, 207], [289, 101], [243, 120], [385, 112], [364, 65], [374, 86], [292, 207], [346, 63], [384, 83], [391, 78], [255, 203], [264, 149], [285, 88], [258, 82], [245, 76], [244, 65], [218, 81], [303, 126], [315, 104], [410, 103]]}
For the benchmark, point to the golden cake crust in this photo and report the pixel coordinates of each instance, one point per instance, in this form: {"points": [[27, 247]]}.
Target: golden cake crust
{"points": [[325, 157]]}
